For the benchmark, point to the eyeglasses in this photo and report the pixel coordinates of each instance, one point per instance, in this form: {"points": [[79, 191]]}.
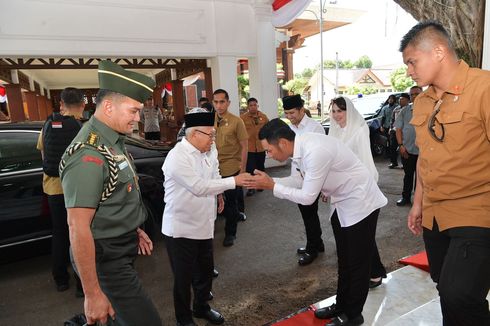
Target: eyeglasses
{"points": [[432, 124], [211, 135]]}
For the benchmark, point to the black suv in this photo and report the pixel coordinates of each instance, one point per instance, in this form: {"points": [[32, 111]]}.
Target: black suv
{"points": [[24, 210]]}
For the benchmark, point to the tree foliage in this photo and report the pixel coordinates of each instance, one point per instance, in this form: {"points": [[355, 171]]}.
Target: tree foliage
{"points": [[363, 62], [399, 80], [295, 86], [365, 90]]}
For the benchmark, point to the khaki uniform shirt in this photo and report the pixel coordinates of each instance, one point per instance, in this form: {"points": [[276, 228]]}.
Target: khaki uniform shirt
{"points": [[86, 174], [230, 130], [456, 172], [253, 124]]}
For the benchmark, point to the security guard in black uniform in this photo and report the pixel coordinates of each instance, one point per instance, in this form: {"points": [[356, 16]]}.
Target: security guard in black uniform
{"points": [[58, 131], [104, 203]]}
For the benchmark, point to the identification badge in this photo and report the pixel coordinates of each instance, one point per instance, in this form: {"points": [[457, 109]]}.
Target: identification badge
{"points": [[123, 165]]}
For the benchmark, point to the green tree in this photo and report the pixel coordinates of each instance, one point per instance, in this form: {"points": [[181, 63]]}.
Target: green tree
{"points": [[307, 73], [363, 62], [365, 90], [295, 86], [399, 79], [243, 88]]}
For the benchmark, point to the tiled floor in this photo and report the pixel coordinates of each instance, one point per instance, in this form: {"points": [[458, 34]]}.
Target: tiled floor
{"points": [[407, 297]]}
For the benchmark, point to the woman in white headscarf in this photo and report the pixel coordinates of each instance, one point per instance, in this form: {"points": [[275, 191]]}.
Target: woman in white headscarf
{"points": [[348, 125]]}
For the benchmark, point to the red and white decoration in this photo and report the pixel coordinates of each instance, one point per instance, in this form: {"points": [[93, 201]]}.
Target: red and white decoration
{"points": [[286, 11], [3, 94], [167, 89]]}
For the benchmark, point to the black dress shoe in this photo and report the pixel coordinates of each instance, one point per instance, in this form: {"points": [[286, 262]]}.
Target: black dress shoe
{"points": [[215, 273], [229, 240], [61, 287], [243, 217], [302, 250], [210, 296], [307, 258], [402, 202], [211, 316], [374, 284], [250, 192], [343, 320], [392, 166], [327, 312]]}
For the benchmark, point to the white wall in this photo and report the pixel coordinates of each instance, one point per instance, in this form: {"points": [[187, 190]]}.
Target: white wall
{"points": [[131, 28], [486, 38]]}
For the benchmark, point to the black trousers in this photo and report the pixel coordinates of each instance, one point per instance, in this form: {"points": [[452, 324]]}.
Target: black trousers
{"points": [[393, 146], [313, 228], [187, 255], [255, 160], [60, 243], [355, 245], [377, 268], [119, 281], [231, 210], [459, 261], [410, 167], [152, 135]]}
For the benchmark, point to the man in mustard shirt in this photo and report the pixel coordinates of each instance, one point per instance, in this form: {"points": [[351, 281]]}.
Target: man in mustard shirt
{"points": [[58, 131], [232, 145], [254, 120], [104, 203], [451, 205]]}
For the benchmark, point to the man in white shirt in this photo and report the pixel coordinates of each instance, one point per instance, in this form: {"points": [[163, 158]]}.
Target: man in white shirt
{"points": [[192, 182], [326, 165], [301, 123]]}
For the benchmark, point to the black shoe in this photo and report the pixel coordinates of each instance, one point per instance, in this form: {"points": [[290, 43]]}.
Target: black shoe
{"points": [[61, 287], [215, 273], [77, 320], [327, 312], [211, 316], [403, 202], [250, 192], [307, 258], [392, 166], [374, 284], [343, 320], [186, 324], [242, 217], [260, 190], [302, 250], [210, 296], [229, 240]]}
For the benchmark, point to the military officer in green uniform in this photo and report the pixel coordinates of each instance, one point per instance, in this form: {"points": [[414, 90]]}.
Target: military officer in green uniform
{"points": [[104, 203]]}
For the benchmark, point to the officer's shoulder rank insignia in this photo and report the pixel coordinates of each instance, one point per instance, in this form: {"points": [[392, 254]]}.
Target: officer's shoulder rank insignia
{"points": [[92, 139]]}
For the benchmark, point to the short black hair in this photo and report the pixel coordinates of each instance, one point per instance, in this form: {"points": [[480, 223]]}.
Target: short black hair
{"points": [[203, 99], [419, 32], [416, 87], [405, 95], [252, 99], [72, 96], [275, 129], [103, 93], [221, 91], [208, 106]]}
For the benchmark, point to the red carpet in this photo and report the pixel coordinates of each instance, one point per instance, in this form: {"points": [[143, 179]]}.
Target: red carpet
{"points": [[419, 260], [305, 318]]}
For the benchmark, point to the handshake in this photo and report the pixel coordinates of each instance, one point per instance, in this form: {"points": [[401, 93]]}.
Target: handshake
{"points": [[259, 180]]}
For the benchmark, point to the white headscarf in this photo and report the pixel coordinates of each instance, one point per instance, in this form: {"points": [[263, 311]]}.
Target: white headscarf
{"points": [[355, 135]]}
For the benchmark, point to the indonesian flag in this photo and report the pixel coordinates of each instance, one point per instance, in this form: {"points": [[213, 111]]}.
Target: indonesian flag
{"points": [[167, 88], [286, 11], [3, 95]]}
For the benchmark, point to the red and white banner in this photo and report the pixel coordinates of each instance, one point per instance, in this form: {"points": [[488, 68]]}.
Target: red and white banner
{"points": [[3, 95], [286, 11]]}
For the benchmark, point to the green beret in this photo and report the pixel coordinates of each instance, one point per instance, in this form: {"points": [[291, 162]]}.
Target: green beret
{"points": [[132, 84]]}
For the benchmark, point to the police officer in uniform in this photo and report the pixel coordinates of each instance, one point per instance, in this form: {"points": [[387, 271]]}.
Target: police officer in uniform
{"points": [[104, 203], [58, 131]]}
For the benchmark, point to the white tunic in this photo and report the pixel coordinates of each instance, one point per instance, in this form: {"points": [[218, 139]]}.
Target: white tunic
{"points": [[192, 182], [326, 165]]}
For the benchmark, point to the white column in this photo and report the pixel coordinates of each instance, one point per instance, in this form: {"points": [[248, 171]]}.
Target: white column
{"points": [[486, 38], [262, 67], [14, 73], [224, 74]]}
